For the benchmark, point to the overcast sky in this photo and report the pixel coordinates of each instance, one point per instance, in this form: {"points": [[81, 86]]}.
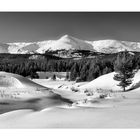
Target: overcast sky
{"points": [[15, 27]]}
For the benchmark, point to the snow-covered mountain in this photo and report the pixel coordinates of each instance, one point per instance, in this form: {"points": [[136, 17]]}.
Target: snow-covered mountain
{"points": [[67, 42]]}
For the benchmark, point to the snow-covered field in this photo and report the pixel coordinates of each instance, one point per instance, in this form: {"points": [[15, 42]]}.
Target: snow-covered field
{"points": [[44, 103]]}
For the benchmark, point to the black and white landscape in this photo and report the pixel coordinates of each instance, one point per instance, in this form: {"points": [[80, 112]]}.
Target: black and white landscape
{"points": [[68, 81]]}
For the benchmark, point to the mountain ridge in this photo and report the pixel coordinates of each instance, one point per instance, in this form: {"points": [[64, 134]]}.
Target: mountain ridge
{"points": [[68, 42]]}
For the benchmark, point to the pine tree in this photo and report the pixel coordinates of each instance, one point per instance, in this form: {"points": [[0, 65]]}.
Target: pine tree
{"points": [[67, 76], [124, 69], [106, 70], [84, 72], [54, 77], [74, 72], [94, 72], [34, 75]]}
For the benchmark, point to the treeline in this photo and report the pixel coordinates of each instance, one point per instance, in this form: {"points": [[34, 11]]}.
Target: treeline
{"points": [[85, 69]]}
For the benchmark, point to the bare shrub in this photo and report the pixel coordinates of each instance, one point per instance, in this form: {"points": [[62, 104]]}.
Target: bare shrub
{"points": [[103, 93], [89, 92], [74, 89]]}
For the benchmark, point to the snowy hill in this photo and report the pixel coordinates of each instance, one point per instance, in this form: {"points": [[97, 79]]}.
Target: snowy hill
{"points": [[11, 80], [106, 82], [21, 87], [67, 42]]}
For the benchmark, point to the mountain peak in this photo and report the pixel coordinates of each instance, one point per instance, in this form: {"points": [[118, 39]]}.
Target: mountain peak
{"points": [[65, 36]]}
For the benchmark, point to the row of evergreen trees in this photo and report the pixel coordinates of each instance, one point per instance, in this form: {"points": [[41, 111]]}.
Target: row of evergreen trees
{"points": [[82, 70], [87, 70]]}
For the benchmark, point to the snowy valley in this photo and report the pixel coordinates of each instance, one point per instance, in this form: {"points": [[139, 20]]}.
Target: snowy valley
{"points": [[41, 90]]}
